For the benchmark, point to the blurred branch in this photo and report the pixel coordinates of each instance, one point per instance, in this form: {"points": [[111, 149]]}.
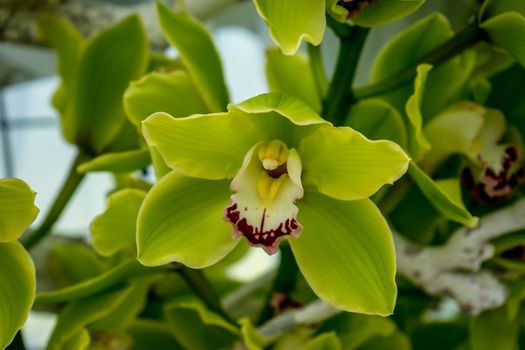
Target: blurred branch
{"points": [[312, 313], [438, 270]]}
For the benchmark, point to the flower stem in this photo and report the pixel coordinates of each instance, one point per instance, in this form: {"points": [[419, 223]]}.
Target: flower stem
{"points": [[68, 189], [340, 97], [316, 65], [466, 38], [198, 282]]}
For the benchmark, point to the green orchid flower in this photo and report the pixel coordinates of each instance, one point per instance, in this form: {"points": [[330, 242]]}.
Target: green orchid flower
{"points": [[291, 21], [292, 174]]}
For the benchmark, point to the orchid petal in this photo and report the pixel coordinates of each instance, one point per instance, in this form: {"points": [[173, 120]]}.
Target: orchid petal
{"points": [[346, 254], [343, 164], [17, 209], [292, 21], [181, 221]]}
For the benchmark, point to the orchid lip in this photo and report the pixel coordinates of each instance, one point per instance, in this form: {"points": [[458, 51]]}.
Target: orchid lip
{"points": [[267, 186], [266, 238]]}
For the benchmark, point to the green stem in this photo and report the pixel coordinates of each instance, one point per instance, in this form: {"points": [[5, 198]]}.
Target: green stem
{"points": [[339, 98], [198, 282], [68, 189], [316, 66], [463, 40]]}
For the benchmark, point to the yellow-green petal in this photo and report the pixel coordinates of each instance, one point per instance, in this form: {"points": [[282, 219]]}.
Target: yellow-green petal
{"points": [[117, 162], [181, 220], [195, 46], [212, 146], [173, 93], [68, 44], [376, 13], [292, 108], [115, 229], [291, 21], [418, 144], [110, 60], [445, 198], [378, 120], [343, 164], [293, 76], [346, 254], [17, 208], [17, 289], [208, 146]]}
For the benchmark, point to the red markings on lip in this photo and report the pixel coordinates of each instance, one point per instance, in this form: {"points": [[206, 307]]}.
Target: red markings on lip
{"points": [[267, 238]]}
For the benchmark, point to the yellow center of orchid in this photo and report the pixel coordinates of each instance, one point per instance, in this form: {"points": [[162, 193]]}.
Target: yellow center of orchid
{"points": [[273, 157]]}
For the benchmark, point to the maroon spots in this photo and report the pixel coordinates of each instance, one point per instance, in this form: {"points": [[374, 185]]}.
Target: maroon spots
{"points": [[265, 237], [354, 7], [492, 187]]}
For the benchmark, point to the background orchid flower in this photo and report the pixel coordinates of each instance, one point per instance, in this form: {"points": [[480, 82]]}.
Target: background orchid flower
{"points": [[292, 174], [294, 20]]}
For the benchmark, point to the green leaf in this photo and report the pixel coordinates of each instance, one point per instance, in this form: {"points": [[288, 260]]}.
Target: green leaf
{"points": [[344, 164], [292, 21], [17, 208], [326, 341], [417, 143], [506, 31], [200, 57], [117, 162], [197, 328], [150, 334], [17, 289], [346, 254], [109, 62], [80, 313], [114, 230], [493, 330], [181, 220], [173, 93], [377, 120], [283, 72], [447, 203], [68, 44], [376, 13]]}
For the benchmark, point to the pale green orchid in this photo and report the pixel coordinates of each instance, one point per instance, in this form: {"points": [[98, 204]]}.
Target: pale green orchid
{"points": [[292, 174], [291, 21]]}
